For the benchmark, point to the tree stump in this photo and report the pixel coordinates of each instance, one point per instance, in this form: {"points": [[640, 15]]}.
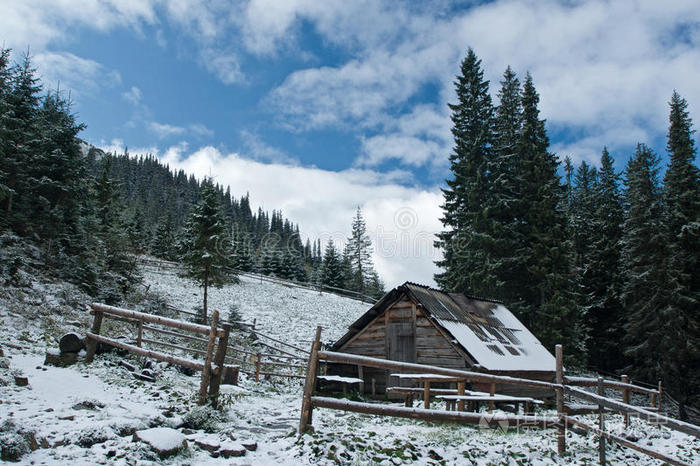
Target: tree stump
{"points": [[71, 343]]}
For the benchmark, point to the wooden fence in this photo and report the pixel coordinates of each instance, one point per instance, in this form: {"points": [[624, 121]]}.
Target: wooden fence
{"points": [[277, 354], [212, 367], [562, 387]]}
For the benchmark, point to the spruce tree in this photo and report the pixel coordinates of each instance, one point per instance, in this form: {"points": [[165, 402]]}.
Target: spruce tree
{"points": [[548, 301], [332, 267], [604, 279], [205, 258], [681, 344], [499, 207], [359, 249], [461, 241], [643, 255], [164, 239]]}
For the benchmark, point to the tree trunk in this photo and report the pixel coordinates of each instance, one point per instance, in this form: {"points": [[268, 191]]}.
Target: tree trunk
{"points": [[206, 285]]}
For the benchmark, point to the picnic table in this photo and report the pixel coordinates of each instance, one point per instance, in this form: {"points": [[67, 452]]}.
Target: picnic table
{"points": [[426, 379], [476, 397], [344, 381]]}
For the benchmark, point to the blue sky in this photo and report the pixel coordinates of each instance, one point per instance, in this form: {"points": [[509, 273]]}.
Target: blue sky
{"points": [[316, 107]]}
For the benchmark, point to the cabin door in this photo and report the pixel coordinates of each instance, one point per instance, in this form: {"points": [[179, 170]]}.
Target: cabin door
{"points": [[401, 340]]}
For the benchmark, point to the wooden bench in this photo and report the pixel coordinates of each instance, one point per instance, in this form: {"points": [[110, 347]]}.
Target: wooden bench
{"points": [[474, 398]]}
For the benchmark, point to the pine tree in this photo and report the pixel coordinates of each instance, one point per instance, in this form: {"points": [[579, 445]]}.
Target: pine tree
{"points": [[643, 256], [332, 268], [359, 249], [605, 313], [164, 239], [499, 207], [548, 303], [463, 220], [681, 343], [205, 233], [5, 89]]}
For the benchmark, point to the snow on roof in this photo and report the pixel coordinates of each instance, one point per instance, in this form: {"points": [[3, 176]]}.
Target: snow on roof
{"points": [[488, 331]]}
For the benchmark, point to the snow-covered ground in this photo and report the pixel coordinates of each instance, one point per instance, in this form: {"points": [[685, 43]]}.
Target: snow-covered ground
{"points": [[85, 414]]}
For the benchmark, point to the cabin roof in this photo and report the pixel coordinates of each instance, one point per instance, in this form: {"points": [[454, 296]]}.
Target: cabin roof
{"points": [[484, 328]]}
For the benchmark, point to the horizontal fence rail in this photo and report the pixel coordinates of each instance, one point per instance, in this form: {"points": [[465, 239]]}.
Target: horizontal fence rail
{"points": [[212, 367]]}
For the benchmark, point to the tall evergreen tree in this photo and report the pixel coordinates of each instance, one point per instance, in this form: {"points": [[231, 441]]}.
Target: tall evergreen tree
{"points": [[205, 258], [643, 256], [461, 240], [548, 305], [605, 313], [502, 218], [359, 248], [681, 343], [332, 267]]}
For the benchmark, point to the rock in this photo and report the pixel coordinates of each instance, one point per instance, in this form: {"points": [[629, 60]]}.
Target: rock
{"points": [[250, 446], [4, 363], [54, 358], [21, 381], [229, 450], [631, 437], [71, 343], [209, 444], [70, 417], [2, 353], [188, 371], [163, 440], [90, 405]]}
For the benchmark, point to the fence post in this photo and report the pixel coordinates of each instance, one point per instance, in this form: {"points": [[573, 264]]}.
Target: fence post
{"points": [[206, 372], [601, 425], [258, 357], [658, 400], [139, 336], [625, 399], [460, 391], [561, 428], [91, 346], [306, 407], [492, 392], [219, 358], [360, 375]]}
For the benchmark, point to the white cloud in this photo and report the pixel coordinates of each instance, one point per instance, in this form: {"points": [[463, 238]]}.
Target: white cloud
{"points": [[164, 130], [224, 65], [401, 220], [133, 95], [200, 130], [78, 74], [257, 149]]}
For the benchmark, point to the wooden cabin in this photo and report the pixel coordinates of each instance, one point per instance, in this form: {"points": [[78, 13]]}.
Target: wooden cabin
{"points": [[415, 323]]}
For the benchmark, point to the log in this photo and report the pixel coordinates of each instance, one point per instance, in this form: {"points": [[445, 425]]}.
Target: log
{"points": [[198, 366], [92, 343], [366, 361], [624, 442], [669, 422], [190, 327], [71, 343], [433, 415]]}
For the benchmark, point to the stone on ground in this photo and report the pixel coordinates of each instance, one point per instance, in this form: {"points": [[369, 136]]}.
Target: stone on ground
{"points": [[164, 440]]}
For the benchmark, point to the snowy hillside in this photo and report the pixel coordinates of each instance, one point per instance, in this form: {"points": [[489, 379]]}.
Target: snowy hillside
{"points": [[87, 414], [291, 314]]}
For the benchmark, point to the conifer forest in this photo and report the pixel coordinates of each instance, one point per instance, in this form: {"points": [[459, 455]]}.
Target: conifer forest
{"points": [[603, 260]]}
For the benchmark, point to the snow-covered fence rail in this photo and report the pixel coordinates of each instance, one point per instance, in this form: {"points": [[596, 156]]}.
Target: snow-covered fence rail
{"points": [[256, 363], [310, 401], [212, 367], [561, 421]]}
